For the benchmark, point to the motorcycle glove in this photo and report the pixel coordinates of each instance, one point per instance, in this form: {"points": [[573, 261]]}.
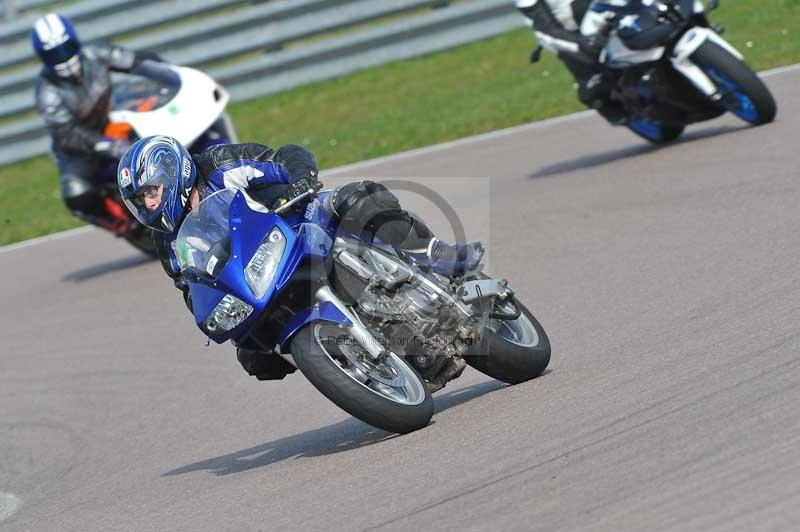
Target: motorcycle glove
{"points": [[112, 148], [592, 45], [297, 188]]}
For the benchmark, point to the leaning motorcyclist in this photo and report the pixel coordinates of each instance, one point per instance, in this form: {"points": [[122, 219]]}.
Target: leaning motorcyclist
{"points": [[576, 30], [160, 183], [73, 95]]}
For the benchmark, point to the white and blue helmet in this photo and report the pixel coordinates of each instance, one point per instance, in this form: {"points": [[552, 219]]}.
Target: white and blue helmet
{"points": [[57, 45], [155, 177]]}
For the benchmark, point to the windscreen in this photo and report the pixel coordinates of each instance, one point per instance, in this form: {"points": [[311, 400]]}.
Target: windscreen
{"points": [[151, 86], [204, 239]]}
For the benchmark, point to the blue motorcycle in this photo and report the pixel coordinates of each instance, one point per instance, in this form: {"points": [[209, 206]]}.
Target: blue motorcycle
{"points": [[672, 68], [667, 66], [375, 334]]}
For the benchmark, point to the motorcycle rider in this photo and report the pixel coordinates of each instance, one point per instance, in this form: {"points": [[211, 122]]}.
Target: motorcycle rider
{"points": [[575, 30], [73, 95], [160, 183]]}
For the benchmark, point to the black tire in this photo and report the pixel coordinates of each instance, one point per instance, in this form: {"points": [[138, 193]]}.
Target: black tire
{"points": [[351, 396], [505, 361], [664, 135], [143, 241], [737, 81]]}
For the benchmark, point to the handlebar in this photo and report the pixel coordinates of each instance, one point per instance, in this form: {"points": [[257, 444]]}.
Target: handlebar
{"points": [[311, 192]]}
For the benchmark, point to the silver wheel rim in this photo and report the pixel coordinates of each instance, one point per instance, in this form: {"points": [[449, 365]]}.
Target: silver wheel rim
{"points": [[520, 331], [390, 377]]}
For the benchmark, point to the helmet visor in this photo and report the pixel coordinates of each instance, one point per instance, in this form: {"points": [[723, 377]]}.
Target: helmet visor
{"points": [[70, 69], [61, 53]]}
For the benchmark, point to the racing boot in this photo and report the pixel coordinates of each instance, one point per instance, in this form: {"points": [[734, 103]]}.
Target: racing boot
{"points": [[117, 226], [595, 93], [446, 259], [263, 365], [451, 371]]}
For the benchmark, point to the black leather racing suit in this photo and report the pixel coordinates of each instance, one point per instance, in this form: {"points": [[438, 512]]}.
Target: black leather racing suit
{"points": [[75, 111], [267, 175], [574, 30]]}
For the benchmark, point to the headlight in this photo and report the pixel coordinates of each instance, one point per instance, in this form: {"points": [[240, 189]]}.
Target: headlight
{"points": [[228, 313], [262, 267]]}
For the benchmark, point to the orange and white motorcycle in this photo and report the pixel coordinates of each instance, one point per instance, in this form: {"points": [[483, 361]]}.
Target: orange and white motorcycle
{"points": [[181, 102]]}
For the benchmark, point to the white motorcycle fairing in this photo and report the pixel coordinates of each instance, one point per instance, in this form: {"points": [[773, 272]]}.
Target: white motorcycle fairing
{"points": [[617, 55], [198, 103], [689, 43]]}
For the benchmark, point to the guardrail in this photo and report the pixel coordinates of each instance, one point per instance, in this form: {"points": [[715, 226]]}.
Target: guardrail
{"points": [[10, 9], [335, 37]]}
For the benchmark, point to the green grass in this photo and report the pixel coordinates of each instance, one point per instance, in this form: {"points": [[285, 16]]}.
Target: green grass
{"points": [[472, 89]]}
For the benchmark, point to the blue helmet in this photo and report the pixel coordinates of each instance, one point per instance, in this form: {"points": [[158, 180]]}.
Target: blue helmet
{"points": [[57, 45], [155, 177]]}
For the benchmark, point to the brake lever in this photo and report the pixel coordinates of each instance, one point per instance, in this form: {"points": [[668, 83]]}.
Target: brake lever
{"points": [[311, 192]]}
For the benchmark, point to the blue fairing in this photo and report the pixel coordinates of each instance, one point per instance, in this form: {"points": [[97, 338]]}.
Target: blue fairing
{"points": [[319, 312], [647, 128], [314, 213], [248, 230], [309, 237]]}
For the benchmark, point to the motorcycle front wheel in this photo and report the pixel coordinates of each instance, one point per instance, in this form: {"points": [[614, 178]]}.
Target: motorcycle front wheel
{"points": [[386, 393], [743, 92]]}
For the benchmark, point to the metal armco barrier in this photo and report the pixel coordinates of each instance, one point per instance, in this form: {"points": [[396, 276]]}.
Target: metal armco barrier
{"points": [[288, 42]]}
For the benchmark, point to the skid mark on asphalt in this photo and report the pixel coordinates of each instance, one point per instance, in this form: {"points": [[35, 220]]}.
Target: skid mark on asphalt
{"points": [[8, 505]]}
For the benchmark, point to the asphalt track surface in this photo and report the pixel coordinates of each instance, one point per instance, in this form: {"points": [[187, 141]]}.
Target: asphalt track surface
{"points": [[666, 278]]}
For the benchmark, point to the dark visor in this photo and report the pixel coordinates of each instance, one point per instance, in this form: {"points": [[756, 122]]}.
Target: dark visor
{"points": [[61, 53]]}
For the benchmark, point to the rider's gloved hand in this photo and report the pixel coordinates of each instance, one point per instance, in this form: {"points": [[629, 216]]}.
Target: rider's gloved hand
{"points": [[592, 45], [118, 148], [298, 187], [112, 148]]}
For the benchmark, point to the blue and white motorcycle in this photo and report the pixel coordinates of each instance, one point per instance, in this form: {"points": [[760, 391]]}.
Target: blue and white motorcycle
{"points": [[374, 333], [670, 67]]}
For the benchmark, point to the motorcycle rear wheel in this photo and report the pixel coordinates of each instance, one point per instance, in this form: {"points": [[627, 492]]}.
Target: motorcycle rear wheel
{"points": [[512, 351]]}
